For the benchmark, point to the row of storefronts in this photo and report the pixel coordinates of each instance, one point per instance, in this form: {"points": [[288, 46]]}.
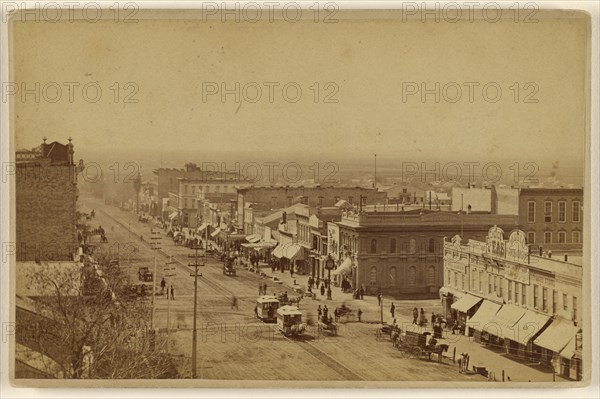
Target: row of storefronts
{"points": [[512, 301]]}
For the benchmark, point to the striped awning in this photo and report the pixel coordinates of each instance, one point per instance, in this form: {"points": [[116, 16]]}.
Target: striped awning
{"points": [[557, 335], [344, 268], [466, 303]]}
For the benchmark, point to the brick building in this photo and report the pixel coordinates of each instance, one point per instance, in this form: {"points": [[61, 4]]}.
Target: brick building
{"points": [[46, 198], [552, 218], [277, 197], [400, 253]]}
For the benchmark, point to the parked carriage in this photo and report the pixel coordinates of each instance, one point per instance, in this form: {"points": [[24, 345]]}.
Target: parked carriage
{"points": [[289, 321], [266, 308], [418, 345]]}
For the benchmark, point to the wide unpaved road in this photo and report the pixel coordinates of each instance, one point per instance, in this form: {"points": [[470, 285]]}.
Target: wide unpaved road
{"points": [[232, 344]]}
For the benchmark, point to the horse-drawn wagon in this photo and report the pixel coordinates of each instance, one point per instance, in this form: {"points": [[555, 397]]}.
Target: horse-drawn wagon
{"points": [[418, 345]]}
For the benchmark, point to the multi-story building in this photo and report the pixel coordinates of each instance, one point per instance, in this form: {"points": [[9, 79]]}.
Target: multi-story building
{"points": [[46, 198], [400, 253], [552, 218], [514, 300], [277, 197]]}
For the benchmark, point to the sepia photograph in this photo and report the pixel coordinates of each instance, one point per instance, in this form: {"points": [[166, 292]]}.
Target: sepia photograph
{"points": [[297, 194]]}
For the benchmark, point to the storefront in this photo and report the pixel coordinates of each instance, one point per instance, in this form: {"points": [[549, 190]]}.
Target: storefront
{"points": [[519, 339], [465, 308], [553, 341]]}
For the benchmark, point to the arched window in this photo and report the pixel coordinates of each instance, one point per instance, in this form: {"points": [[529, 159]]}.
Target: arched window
{"points": [[393, 245], [431, 275], [393, 275], [373, 246], [373, 276], [412, 246], [431, 245], [412, 276]]}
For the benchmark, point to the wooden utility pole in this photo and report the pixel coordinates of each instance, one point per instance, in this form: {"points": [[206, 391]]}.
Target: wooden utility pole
{"points": [[195, 256]]}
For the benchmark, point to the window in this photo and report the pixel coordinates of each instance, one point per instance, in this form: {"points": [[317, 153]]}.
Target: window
{"points": [[548, 211], [547, 237], [576, 211], [495, 283], [481, 281], [431, 275], [565, 302], [574, 308], [455, 279], [545, 299], [412, 275], [392, 275], [373, 276], [404, 190], [501, 287], [554, 301], [562, 237], [393, 245], [185, 189], [490, 278], [373, 246], [473, 274], [523, 294], [575, 237], [531, 211], [289, 200], [462, 282], [412, 246], [535, 296], [431, 245], [516, 293], [562, 211], [320, 201], [530, 237], [448, 278], [510, 290]]}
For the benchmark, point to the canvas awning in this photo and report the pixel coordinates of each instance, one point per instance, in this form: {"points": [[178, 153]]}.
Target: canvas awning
{"points": [[504, 321], [201, 228], [277, 251], [253, 238], [557, 335], [344, 268], [569, 351], [527, 328], [484, 315], [466, 303], [291, 251], [172, 215], [216, 232]]}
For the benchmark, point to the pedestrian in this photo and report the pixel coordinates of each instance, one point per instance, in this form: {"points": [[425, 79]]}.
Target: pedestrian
{"points": [[234, 303], [291, 270], [265, 289], [415, 315], [163, 284], [329, 293], [432, 319], [260, 289], [318, 281], [256, 311], [359, 315], [172, 292], [322, 289], [392, 310], [319, 312], [379, 298], [325, 311]]}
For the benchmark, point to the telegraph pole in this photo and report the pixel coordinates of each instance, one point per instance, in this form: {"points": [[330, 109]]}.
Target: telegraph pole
{"points": [[154, 245], [169, 272], [195, 256]]}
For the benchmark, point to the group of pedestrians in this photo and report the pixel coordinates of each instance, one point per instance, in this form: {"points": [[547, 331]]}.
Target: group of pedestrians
{"points": [[262, 289]]}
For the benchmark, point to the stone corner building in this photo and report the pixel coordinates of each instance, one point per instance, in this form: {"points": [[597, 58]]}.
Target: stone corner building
{"points": [[46, 197]]}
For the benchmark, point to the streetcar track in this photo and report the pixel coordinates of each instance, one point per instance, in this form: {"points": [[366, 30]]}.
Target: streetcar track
{"points": [[317, 353]]}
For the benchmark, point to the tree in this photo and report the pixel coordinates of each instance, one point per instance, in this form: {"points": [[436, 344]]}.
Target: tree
{"points": [[85, 323]]}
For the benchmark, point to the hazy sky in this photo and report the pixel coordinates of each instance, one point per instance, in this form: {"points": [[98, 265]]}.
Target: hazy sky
{"points": [[371, 62]]}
